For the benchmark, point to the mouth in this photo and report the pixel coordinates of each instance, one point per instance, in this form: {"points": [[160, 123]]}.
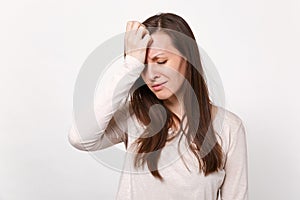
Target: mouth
{"points": [[157, 87]]}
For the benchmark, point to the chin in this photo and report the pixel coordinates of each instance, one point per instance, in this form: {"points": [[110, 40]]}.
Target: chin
{"points": [[162, 96]]}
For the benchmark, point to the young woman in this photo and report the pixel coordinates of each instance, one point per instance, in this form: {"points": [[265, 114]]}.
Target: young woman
{"points": [[179, 145]]}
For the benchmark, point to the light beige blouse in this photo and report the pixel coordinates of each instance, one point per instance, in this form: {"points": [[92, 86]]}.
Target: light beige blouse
{"points": [[177, 165]]}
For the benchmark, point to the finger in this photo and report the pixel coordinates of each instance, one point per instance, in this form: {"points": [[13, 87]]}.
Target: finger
{"points": [[147, 40], [143, 27], [128, 28], [128, 25], [135, 25], [146, 33], [141, 32]]}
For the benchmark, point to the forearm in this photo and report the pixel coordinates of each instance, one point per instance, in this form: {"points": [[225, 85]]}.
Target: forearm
{"points": [[112, 90]]}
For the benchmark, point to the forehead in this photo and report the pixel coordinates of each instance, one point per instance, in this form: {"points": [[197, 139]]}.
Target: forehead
{"points": [[162, 43]]}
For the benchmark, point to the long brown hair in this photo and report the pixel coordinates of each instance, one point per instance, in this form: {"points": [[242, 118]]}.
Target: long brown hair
{"points": [[200, 131]]}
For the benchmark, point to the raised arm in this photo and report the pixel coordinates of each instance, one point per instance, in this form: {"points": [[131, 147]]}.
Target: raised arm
{"points": [[109, 99], [235, 186], [112, 90]]}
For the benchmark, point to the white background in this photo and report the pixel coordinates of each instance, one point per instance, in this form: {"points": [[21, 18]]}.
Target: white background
{"points": [[254, 45]]}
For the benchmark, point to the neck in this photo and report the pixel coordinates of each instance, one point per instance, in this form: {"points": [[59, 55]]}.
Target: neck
{"points": [[175, 105]]}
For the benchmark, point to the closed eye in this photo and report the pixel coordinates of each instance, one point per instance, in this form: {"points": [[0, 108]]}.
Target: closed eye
{"points": [[162, 62]]}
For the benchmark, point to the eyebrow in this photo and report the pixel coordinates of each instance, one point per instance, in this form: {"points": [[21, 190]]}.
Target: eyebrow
{"points": [[155, 56]]}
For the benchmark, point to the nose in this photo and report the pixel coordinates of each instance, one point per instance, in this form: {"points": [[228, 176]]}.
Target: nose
{"points": [[152, 72]]}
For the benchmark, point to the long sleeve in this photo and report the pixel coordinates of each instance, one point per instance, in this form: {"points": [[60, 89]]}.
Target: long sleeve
{"points": [[235, 185], [113, 88]]}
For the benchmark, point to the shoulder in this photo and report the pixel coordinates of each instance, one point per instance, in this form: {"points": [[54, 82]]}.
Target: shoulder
{"points": [[229, 127], [227, 117]]}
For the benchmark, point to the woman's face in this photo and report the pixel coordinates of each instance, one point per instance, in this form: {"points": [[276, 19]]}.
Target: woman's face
{"points": [[165, 70]]}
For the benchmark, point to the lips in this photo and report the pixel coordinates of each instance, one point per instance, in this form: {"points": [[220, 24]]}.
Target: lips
{"points": [[159, 86]]}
